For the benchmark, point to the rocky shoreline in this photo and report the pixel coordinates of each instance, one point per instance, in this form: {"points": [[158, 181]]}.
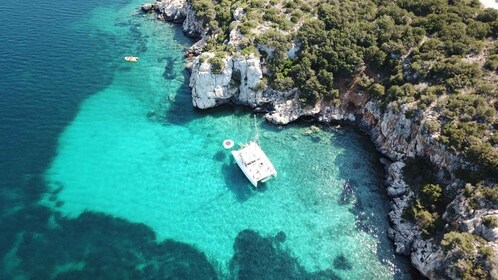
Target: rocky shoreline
{"points": [[397, 136]]}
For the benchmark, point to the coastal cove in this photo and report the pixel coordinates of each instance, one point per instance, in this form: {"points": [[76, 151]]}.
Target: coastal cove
{"points": [[414, 115], [138, 186]]}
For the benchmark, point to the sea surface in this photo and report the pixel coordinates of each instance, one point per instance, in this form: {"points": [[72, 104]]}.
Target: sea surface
{"points": [[108, 172]]}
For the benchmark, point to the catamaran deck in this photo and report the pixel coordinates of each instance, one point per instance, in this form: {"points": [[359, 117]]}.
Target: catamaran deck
{"points": [[254, 163]]}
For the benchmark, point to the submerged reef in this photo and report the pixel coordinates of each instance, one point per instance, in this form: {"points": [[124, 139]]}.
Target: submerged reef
{"points": [[40, 244], [258, 258]]}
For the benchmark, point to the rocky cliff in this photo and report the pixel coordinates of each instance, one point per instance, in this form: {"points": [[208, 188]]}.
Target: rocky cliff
{"points": [[239, 81], [398, 132]]}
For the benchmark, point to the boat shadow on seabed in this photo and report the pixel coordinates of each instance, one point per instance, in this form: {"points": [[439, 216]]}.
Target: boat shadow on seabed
{"points": [[237, 183]]}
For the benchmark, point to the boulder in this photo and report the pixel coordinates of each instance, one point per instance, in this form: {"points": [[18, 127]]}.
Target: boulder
{"points": [[148, 7], [173, 10]]}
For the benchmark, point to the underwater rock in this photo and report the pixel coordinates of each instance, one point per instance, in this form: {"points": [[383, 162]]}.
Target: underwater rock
{"points": [[98, 246], [342, 263], [280, 237], [257, 258], [169, 69]]}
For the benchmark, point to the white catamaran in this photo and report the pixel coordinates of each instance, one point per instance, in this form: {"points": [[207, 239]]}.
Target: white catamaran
{"points": [[254, 162]]}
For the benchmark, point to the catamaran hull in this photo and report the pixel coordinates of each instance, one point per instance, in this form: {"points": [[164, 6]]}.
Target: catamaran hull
{"points": [[254, 163], [244, 169]]}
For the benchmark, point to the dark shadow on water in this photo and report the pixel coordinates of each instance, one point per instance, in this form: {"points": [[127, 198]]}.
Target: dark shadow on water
{"points": [[342, 263], [257, 258], [181, 110], [169, 68], [236, 181], [220, 156], [96, 246]]}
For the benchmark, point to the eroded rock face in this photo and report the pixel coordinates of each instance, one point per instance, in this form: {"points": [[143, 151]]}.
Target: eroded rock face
{"points": [[179, 11], [192, 26], [238, 82], [173, 10], [148, 7], [247, 71]]}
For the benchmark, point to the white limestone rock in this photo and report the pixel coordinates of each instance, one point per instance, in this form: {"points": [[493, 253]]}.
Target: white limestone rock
{"points": [[209, 89], [249, 71], [285, 111], [238, 82], [192, 26], [426, 257], [173, 10], [397, 186], [238, 13]]}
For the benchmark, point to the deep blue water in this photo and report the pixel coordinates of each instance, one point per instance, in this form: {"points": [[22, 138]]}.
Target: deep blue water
{"points": [[46, 71], [107, 172]]}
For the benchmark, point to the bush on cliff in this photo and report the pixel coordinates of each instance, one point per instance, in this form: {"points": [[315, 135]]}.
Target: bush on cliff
{"points": [[217, 64], [468, 254]]}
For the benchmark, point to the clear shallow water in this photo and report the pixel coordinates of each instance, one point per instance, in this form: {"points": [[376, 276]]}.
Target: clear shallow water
{"points": [[135, 149]]}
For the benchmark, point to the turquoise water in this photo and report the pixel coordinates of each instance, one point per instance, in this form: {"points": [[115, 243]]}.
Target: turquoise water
{"points": [[136, 165]]}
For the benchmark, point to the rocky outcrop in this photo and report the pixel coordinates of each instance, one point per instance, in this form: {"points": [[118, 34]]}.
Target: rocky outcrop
{"points": [[173, 10], [178, 11], [148, 7], [237, 82], [192, 26]]}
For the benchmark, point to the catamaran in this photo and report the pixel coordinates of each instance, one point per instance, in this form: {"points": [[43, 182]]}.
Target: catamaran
{"points": [[253, 161]]}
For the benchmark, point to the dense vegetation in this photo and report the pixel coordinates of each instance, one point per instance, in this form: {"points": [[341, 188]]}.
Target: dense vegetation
{"points": [[437, 56], [435, 53]]}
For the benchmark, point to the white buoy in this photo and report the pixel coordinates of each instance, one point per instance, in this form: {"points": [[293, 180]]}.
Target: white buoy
{"points": [[228, 144]]}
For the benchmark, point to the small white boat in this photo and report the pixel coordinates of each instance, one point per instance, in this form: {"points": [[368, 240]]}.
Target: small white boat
{"points": [[254, 163], [131, 58]]}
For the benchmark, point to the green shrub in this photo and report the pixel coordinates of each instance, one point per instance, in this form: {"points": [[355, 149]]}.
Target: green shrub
{"points": [[426, 221], [262, 85], [247, 26], [249, 50], [492, 62], [430, 194], [432, 126], [282, 83], [478, 29], [217, 64], [488, 15], [456, 74], [377, 91], [490, 221], [463, 242], [468, 253]]}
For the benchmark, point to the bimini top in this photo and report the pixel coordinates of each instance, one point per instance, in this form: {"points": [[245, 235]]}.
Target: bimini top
{"points": [[254, 163]]}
